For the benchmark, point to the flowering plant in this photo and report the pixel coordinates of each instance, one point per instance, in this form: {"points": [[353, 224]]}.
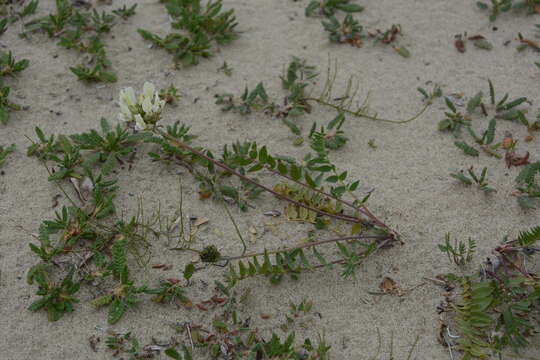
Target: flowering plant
{"points": [[144, 110]]}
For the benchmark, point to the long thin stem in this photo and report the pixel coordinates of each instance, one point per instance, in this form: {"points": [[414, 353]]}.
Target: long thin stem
{"points": [[244, 246], [360, 113], [307, 245]]}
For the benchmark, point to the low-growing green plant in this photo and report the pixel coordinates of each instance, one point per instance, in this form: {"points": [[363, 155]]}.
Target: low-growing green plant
{"points": [[89, 225], [494, 309], [56, 298], [127, 344], [81, 31], [480, 181], [200, 26], [124, 295], [125, 12], [332, 134], [390, 37], [330, 7], [348, 31], [4, 152], [226, 69], [497, 7], [299, 76], [11, 15], [250, 100], [9, 66], [528, 187], [170, 95], [459, 253], [504, 109], [109, 147]]}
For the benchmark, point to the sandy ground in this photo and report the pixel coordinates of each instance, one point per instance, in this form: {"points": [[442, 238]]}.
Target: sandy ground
{"points": [[409, 169]]}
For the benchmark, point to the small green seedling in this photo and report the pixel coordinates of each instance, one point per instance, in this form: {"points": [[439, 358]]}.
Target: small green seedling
{"points": [[459, 253], [249, 101], [9, 66], [389, 37], [4, 152], [331, 7], [170, 94], [528, 187], [57, 299], [349, 31], [497, 7], [454, 120], [200, 27], [124, 295], [81, 31], [503, 108], [125, 12], [473, 178], [332, 134], [226, 69]]}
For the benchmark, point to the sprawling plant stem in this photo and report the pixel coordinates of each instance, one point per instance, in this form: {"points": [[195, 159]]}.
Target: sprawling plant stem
{"points": [[312, 244], [344, 217]]}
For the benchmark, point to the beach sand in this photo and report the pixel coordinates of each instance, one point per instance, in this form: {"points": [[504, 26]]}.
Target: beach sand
{"points": [[409, 170]]}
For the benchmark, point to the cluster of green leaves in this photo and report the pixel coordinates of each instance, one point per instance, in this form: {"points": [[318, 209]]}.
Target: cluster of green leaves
{"points": [[127, 344], [528, 187], [170, 94], [85, 160], [494, 309], [109, 147], [82, 31], [330, 7], [168, 153], [295, 261], [315, 169], [459, 253], [297, 77], [56, 298], [233, 338], [247, 158], [473, 178], [125, 294], [250, 100], [331, 135], [347, 30], [169, 291], [230, 337], [497, 7], [389, 37], [4, 152], [200, 27], [9, 66], [503, 109], [8, 18]]}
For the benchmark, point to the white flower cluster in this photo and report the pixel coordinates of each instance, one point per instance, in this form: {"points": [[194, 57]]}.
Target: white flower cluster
{"points": [[144, 110]]}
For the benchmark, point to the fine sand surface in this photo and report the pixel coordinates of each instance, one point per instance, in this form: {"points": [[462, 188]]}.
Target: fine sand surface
{"points": [[409, 169]]}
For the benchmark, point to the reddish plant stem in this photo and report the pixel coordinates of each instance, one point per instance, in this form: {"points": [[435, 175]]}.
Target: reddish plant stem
{"points": [[511, 263]]}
